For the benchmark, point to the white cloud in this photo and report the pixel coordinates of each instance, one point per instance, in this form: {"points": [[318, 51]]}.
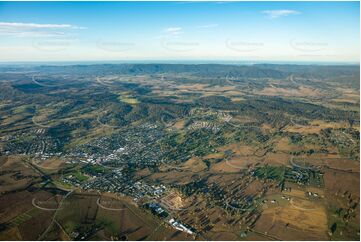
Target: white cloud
{"points": [[272, 14], [173, 31], [208, 26], [37, 26], [35, 30]]}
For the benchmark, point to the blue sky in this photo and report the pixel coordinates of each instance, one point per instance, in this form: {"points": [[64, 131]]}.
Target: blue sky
{"points": [[236, 31]]}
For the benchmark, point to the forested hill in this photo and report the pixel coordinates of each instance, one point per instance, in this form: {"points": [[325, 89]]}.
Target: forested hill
{"points": [[252, 71]]}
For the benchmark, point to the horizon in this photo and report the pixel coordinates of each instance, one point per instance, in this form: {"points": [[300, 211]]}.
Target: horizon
{"points": [[178, 62], [292, 32]]}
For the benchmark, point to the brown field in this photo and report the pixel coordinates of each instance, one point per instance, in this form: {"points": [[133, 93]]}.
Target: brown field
{"points": [[24, 220], [243, 156], [303, 204], [222, 236], [296, 191], [343, 164], [346, 99], [169, 175], [349, 95], [8, 183], [237, 99], [254, 236], [179, 124], [50, 164], [255, 187], [285, 145], [320, 156], [315, 127], [287, 222], [233, 166], [15, 174], [134, 223], [218, 155], [32, 228], [13, 204], [338, 182], [125, 222], [289, 92], [300, 192], [238, 149], [214, 221], [331, 161], [144, 172], [198, 87], [174, 201], [267, 128], [277, 159], [11, 234], [342, 192], [227, 91], [224, 179], [194, 164], [238, 162]]}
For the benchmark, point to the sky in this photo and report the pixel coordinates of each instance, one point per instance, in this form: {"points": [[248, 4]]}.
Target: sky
{"points": [[161, 31]]}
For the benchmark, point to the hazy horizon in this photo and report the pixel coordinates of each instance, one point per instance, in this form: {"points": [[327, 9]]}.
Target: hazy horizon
{"points": [[220, 62]]}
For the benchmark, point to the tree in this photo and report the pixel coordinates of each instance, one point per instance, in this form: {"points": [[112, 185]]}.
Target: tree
{"points": [[333, 228]]}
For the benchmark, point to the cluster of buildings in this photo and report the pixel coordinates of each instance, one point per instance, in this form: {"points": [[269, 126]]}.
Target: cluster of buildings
{"points": [[163, 213], [157, 209], [136, 146], [179, 226], [118, 181], [213, 115], [204, 125], [312, 194], [33, 142], [286, 198], [72, 180]]}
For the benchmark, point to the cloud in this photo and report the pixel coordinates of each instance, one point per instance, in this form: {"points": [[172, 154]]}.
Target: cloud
{"points": [[36, 30], [208, 26], [272, 14], [173, 31]]}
